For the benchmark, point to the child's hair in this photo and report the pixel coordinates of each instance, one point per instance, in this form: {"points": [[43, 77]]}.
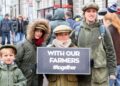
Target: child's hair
{"points": [[2, 48], [4, 51]]}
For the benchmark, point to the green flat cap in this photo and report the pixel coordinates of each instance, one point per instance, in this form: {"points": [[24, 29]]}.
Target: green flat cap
{"points": [[90, 5]]}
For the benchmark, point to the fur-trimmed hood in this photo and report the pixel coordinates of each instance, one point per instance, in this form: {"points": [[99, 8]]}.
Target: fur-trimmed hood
{"points": [[43, 23], [114, 19]]}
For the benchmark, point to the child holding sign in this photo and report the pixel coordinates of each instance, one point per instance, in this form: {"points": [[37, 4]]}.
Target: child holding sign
{"points": [[62, 40]]}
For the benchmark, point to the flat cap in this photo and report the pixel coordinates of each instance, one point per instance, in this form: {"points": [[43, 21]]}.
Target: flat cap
{"points": [[112, 8], [90, 5], [62, 28]]}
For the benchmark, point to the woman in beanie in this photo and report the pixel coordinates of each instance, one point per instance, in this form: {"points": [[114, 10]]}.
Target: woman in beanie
{"points": [[37, 33], [62, 40]]}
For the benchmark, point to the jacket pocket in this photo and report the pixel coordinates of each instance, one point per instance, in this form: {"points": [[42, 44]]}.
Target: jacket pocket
{"points": [[72, 78], [52, 78], [99, 56], [99, 75]]}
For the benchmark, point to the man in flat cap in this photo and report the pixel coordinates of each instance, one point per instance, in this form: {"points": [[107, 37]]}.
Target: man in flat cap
{"points": [[92, 34]]}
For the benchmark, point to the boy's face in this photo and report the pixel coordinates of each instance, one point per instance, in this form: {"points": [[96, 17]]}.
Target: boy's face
{"points": [[7, 55], [63, 37]]}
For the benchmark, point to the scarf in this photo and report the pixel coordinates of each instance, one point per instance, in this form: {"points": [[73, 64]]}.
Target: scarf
{"points": [[38, 42], [60, 44]]}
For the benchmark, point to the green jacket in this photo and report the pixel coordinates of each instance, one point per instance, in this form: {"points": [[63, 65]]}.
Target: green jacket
{"points": [[26, 56], [26, 59], [26, 53], [11, 75], [102, 51]]}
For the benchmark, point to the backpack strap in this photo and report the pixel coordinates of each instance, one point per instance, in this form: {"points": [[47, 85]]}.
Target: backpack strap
{"points": [[102, 31], [75, 33]]}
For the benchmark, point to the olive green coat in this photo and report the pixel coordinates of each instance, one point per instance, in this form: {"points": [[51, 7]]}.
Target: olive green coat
{"points": [[26, 53], [102, 55]]}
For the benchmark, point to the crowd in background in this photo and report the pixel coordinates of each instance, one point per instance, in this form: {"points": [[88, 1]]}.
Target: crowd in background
{"points": [[63, 30], [13, 30]]}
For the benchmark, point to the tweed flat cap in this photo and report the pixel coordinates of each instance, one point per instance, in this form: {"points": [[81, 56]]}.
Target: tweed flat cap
{"points": [[90, 5], [62, 28]]}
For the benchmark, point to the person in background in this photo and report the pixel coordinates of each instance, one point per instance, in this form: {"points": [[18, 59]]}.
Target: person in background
{"points": [[10, 74], [62, 40], [103, 59], [14, 26], [5, 28], [58, 19], [37, 34], [49, 17], [77, 18], [26, 22], [20, 31], [69, 19], [112, 22]]}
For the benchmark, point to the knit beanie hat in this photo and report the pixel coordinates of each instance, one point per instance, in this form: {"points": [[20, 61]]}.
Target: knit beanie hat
{"points": [[112, 8]]}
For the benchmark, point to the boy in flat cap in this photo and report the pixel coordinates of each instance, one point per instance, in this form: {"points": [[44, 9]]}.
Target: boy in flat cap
{"points": [[62, 40], [10, 74]]}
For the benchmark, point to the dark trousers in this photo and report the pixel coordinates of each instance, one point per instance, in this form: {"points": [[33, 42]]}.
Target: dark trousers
{"points": [[38, 80], [5, 35]]}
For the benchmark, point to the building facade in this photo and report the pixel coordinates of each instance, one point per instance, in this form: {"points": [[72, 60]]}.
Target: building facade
{"points": [[74, 6], [5, 7], [78, 4], [39, 8]]}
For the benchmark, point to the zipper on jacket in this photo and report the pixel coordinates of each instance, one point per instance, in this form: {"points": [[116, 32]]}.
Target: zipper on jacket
{"points": [[8, 73]]}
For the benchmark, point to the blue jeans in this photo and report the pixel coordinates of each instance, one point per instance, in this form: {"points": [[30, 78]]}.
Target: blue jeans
{"points": [[111, 82], [19, 36], [5, 35], [117, 81]]}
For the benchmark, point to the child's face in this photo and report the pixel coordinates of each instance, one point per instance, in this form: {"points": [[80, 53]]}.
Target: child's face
{"points": [[63, 37], [7, 55]]}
